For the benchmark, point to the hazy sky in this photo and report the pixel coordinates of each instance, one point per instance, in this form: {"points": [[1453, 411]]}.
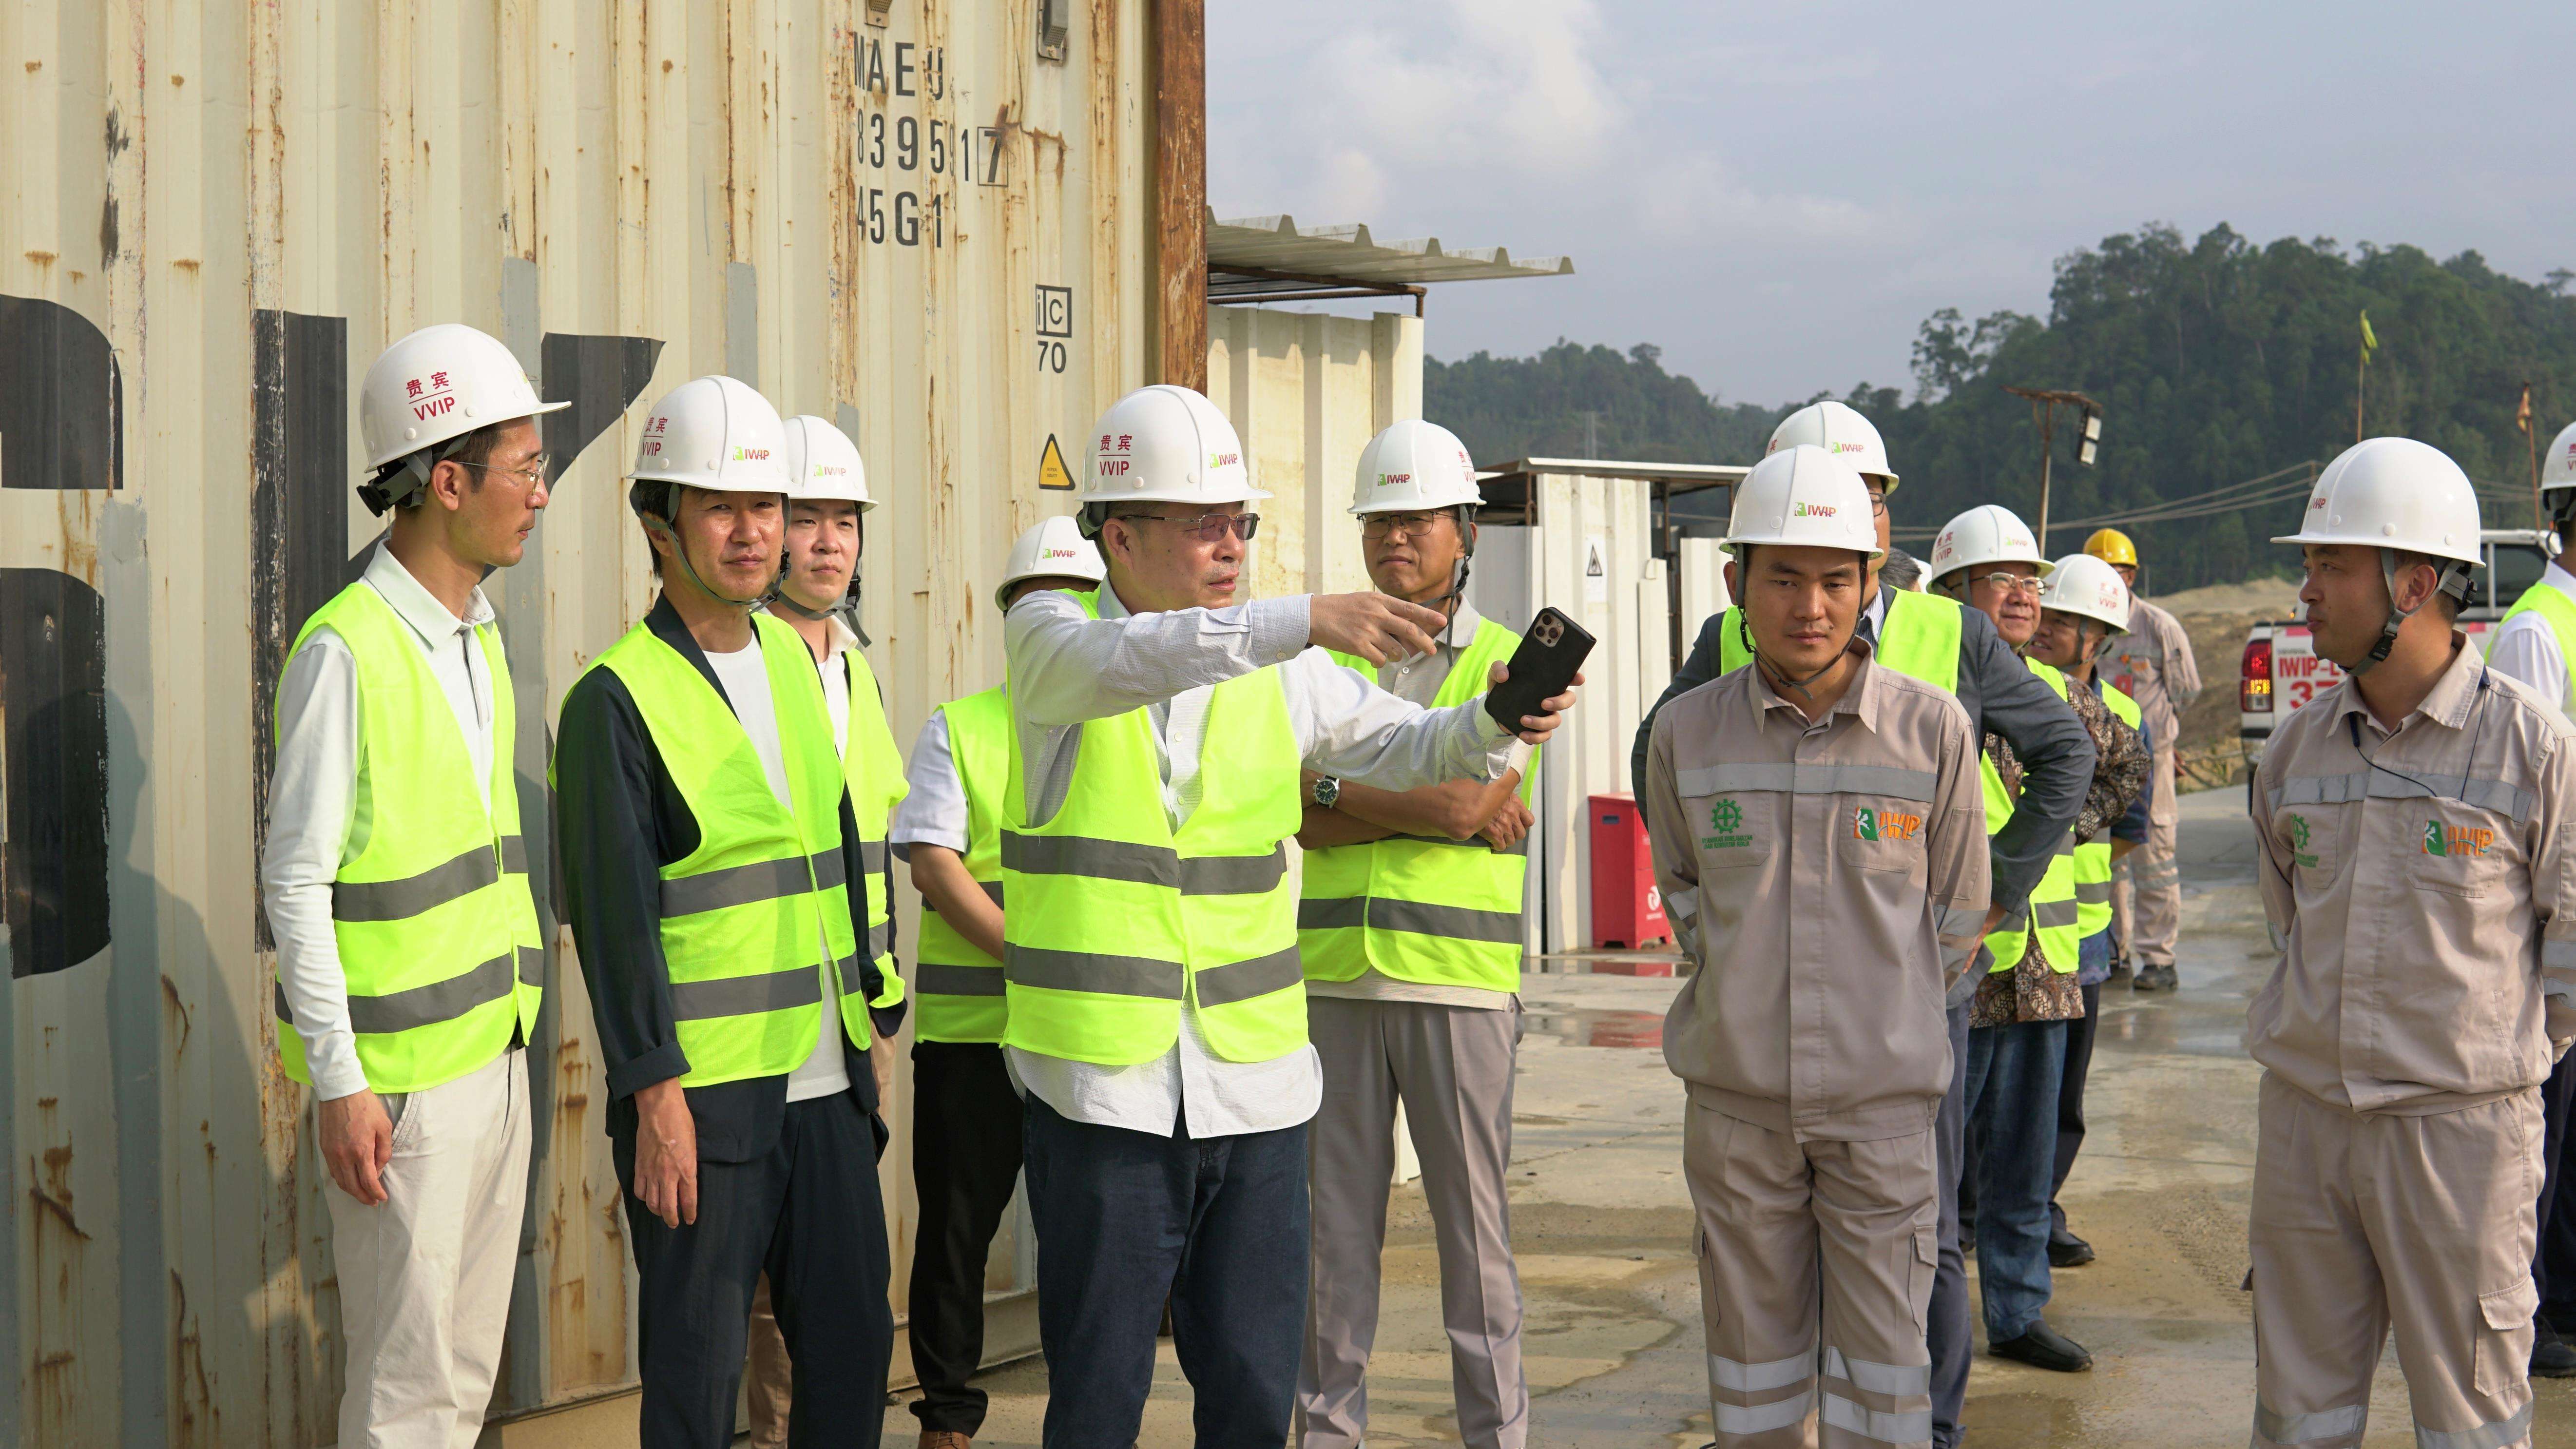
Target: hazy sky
{"points": [[1778, 194]]}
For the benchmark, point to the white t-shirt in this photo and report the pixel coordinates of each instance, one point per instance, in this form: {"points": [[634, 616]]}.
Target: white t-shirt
{"points": [[745, 676]]}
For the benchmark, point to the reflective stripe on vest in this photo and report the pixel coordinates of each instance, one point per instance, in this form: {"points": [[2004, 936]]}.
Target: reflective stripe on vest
{"points": [[2559, 612], [2052, 907], [1117, 919], [1438, 912], [957, 988], [873, 769], [748, 916], [437, 931], [1920, 639], [2093, 857]]}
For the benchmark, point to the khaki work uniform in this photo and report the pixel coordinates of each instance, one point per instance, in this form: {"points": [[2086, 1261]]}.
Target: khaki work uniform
{"points": [[2152, 664], [2421, 879], [1830, 881]]}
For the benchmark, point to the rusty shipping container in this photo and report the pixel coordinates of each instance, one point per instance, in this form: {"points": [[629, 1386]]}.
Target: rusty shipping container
{"points": [[930, 221]]}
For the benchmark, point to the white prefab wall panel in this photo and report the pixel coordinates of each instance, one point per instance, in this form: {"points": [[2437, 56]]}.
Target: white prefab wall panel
{"points": [[1307, 391], [1588, 552]]}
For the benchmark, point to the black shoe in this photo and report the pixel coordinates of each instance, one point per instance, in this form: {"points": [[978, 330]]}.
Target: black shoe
{"points": [[2069, 1252], [2041, 1346], [2155, 978], [2551, 1357], [2119, 969]]}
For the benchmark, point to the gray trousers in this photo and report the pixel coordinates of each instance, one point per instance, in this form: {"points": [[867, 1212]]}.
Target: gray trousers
{"points": [[1452, 1068]]}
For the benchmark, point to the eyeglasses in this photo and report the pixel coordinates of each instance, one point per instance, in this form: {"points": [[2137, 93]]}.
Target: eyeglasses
{"points": [[1206, 528], [1412, 525], [529, 477], [2009, 583], [1878, 502]]}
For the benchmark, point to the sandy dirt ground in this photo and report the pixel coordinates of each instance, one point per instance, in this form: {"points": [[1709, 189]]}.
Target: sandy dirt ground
{"points": [[1602, 1223]]}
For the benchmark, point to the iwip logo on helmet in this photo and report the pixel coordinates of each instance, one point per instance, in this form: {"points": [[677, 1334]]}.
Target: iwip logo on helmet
{"points": [[1811, 510]]}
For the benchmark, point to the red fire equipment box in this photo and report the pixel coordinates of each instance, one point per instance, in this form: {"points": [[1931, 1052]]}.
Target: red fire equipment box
{"points": [[1627, 910]]}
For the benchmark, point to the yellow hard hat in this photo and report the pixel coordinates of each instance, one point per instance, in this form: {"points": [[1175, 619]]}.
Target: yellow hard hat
{"points": [[2112, 546]]}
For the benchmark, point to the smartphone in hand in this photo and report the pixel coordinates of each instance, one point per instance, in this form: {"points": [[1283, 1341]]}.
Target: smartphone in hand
{"points": [[1549, 656]]}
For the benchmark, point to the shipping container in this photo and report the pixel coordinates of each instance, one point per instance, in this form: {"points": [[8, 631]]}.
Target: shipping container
{"points": [[935, 223]]}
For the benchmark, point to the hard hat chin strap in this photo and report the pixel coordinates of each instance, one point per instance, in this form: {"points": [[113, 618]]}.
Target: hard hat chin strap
{"points": [[680, 551], [2452, 578], [1772, 671]]}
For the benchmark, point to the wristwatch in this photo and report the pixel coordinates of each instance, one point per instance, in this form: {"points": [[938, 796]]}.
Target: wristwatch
{"points": [[1327, 790]]}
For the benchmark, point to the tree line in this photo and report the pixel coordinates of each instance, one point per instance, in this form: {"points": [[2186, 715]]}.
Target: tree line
{"points": [[2215, 361]]}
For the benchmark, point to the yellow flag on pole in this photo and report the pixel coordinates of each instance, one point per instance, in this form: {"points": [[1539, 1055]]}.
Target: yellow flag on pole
{"points": [[2522, 415], [2369, 340]]}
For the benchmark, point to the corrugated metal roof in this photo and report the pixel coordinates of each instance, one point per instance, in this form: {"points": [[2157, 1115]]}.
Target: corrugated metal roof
{"points": [[1348, 252]]}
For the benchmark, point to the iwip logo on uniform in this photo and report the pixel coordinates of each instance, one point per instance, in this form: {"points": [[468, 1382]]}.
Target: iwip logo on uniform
{"points": [[2440, 839], [2297, 825], [1726, 818], [1879, 823]]}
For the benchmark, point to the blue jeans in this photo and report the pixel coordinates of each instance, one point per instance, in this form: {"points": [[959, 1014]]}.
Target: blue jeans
{"points": [[1128, 1221], [2013, 1076]]}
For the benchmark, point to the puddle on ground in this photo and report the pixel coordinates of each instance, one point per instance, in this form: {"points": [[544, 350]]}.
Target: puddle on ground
{"points": [[1637, 1029]]}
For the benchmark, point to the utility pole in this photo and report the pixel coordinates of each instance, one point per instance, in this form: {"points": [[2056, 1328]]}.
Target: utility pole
{"points": [[2531, 441], [2043, 411]]}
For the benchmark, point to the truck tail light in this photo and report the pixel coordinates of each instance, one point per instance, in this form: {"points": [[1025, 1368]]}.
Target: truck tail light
{"points": [[2254, 679]]}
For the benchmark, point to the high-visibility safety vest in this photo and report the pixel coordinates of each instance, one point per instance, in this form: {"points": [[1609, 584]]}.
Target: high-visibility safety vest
{"points": [[2560, 612], [1117, 921], [1920, 638], [2093, 857], [873, 770], [1425, 909], [437, 932], [2051, 906], [753, 916], [957, 988]]}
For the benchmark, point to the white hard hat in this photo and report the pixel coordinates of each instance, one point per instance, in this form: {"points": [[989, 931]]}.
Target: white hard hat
{"points": [[823, 464], [2558, 465], [715, 433], [1165, 444], [435, 386], [1052, 549], [2086, 585], [1414, 465], [1839, 430], [1802, 496], [1986, 534], [2393, 493]]}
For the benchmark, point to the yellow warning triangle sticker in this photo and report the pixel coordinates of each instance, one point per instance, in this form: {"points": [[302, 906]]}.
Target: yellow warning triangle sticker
{"points": [[1051, 470]]}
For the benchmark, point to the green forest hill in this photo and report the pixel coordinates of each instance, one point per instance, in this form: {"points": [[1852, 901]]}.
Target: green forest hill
{"points": [[2216, 361]]}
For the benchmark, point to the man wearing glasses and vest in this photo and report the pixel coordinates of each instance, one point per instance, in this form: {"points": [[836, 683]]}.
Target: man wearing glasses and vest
{"points": [[1938, 641], [408, 954], [1411, 931], [1157, 1012], [965, 1112], [716, 886]]}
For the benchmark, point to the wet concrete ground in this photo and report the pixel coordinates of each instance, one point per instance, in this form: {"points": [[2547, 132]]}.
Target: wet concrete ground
{"points": [[1602, 1223]]}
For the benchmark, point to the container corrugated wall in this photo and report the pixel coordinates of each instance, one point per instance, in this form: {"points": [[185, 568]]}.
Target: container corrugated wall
{"points": [[211, 219]]}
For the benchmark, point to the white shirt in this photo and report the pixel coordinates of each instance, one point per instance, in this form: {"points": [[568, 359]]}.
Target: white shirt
{"points": [[318, 819], [2526, 648], [745, 677], [1066, 668], [935, 811], [1419, 680]]}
